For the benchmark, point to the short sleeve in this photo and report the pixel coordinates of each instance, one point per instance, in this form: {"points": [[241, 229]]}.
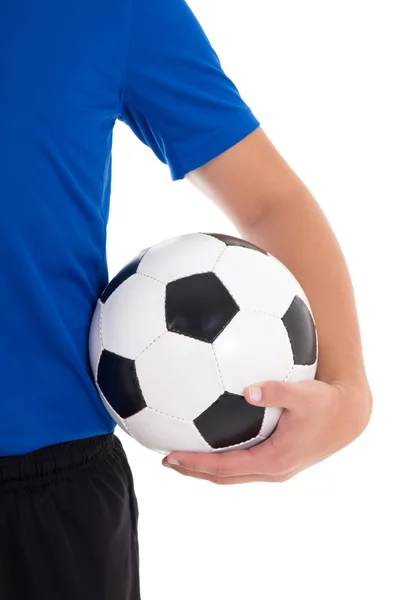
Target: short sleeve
{"points": [[175, 96]]}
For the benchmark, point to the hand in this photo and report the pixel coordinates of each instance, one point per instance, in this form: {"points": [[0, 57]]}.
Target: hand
{"points": [[318, 420]]}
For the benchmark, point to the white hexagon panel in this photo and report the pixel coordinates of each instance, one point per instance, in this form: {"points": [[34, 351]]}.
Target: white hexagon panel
{"points": [[164, 433], [258, 281], [302, 373], [197, 253], [254, 347], [133, 316], [178, 376]]}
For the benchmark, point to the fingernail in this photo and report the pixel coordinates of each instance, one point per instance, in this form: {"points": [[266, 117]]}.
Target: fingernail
{"points": [[172, 461], [255, 394]]}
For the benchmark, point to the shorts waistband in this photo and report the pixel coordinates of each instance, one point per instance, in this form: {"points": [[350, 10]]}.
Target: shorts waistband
{"points": [[51, 461]]}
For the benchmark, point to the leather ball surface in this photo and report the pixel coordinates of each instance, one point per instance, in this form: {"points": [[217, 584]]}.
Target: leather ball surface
{"points": [[183, 328]]}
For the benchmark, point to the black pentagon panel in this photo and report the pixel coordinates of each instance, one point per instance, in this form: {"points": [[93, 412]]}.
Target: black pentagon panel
{"points": [[229, 421], [129, 269], [199, 306], [117, 379], [301, 331], [230, 240]]}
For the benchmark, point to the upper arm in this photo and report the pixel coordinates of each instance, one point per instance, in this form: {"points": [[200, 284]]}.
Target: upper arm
{"points": [[247, 179]]}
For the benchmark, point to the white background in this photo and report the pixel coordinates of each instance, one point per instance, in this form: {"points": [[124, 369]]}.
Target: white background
{"points": [[321, 77]]}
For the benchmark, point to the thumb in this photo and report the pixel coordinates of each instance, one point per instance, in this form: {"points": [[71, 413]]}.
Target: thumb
{"points": [[281, 393]]}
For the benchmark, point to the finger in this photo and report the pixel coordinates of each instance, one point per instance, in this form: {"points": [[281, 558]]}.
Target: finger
{"points": [[293, 396], [267, 458], [225, 464], [235, 480]]}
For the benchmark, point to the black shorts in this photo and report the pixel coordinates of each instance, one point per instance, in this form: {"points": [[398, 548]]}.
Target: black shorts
{"points": [[68, 523]]}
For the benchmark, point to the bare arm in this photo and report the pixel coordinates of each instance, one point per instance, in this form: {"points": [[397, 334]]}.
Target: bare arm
{"points": [[272, 208]]}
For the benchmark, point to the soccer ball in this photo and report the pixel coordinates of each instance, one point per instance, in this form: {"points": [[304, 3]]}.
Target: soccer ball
{"points": [[183, 328]]}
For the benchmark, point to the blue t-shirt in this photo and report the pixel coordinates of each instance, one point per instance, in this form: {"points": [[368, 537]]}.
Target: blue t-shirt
{"points": [[68, 70]]}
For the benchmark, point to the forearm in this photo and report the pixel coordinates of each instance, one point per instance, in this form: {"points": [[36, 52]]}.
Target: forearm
{"points": [[297, 232], [271, 207]]}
